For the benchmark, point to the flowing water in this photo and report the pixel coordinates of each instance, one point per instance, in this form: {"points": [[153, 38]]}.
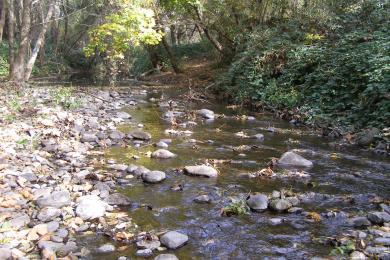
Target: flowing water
{"points": [[342, 180]]}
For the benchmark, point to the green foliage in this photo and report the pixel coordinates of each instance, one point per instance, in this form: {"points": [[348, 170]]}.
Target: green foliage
{"points": [[131, 24], [64, 96], [237, 206], [343, 250], [338, 79]]}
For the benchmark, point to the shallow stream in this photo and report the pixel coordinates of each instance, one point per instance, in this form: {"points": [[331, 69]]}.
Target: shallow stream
{"points": [[341, 180]]}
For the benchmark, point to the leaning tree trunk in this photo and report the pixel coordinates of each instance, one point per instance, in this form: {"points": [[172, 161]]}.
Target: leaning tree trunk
{"points": [[171, 56], [19, 63], [38, 43]]}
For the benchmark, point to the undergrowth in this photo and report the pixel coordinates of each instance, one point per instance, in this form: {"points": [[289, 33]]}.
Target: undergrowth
{"points": [[334, 75]]}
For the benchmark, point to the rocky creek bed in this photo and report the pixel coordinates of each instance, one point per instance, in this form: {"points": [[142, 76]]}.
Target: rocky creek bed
{"points": [[144, 173]]}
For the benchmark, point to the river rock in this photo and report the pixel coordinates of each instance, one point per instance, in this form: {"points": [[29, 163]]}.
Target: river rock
{"points": [[357, 255], [163, 154], [144, 253], [5, 253], [140, 135], [19, 221], [48, 214], [117, 167], [376, 249], [257, 202], [367, 136], [207, 114], [382, 241], [153, 176], [293, 159], [201, 170], [173, 239], [280, 205], [117, 199], [106, 248], [89, 137], [148, 244], [379, 217], [123, 115], [90, 207], [293, 200], [202, 199], [140, 171], [116, 135], [161, 145], [166, 257], [359, 222], [56, 199], [259, 137], [275, 221]]}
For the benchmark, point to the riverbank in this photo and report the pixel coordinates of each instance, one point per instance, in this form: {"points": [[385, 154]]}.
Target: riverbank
{"points": [[82, 164]]}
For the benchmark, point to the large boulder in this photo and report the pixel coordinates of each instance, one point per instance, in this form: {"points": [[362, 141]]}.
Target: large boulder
{"points": [[140, 135], [207, 114], [91, 207], [201, 170], [293, 159], [163, 154], [173, 239], [257, 202], [56, 199], [153, 176]]}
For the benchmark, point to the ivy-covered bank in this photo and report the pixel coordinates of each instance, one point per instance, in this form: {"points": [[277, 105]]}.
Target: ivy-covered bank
{"points": [[333, 75]]}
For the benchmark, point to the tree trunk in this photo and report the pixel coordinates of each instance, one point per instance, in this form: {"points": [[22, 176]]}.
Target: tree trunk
{"points": [[19, 64], [11, 36], [173, 34], [217, 45], [66, 23], [38, 43], [171, 56], [3, 6]]}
